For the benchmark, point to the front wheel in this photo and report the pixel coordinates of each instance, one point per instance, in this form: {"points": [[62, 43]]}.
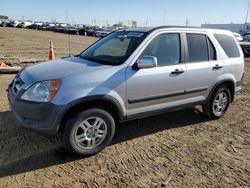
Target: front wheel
{"points": [[218, 104], [89, 132]]}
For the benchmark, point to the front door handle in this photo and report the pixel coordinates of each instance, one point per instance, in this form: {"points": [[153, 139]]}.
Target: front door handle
{"points": [[177, 71], [216, 67]]}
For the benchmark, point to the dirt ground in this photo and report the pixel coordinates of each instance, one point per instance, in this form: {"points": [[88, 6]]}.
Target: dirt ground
{"points": [[21, 46], [178, 149]]}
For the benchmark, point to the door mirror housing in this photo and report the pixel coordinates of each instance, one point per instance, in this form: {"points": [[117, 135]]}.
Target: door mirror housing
{"points": [[146, 62]]}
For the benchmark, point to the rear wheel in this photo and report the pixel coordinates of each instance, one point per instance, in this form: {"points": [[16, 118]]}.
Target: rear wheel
{"points": [[89, 132], [218, 104]]}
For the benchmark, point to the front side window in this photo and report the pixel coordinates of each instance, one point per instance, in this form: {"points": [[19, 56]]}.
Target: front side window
{"points": [[166, 48], [115, 48]]}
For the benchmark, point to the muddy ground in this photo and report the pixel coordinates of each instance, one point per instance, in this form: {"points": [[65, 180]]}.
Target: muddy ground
{"points": [[178, 149]]}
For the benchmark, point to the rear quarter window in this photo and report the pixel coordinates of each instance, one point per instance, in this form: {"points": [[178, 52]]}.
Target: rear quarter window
{"points": [[228, 44]]}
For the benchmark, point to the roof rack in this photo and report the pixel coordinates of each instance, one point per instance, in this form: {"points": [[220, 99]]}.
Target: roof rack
{"points": [[171, 26]]}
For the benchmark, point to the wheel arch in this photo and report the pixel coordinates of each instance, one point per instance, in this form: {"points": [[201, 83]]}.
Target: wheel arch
{"points": [[105, 102], [230, 84]]}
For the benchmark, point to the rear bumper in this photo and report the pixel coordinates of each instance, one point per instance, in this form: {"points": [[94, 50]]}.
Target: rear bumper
{"points": [[42, 118], [239, 83]]}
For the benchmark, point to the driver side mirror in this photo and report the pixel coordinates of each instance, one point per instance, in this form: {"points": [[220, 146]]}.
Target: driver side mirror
{"points": [[146, 62]]}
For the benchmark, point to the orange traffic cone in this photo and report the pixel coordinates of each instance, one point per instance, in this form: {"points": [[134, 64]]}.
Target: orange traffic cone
{"points": [[51, 52], [2, 64]]}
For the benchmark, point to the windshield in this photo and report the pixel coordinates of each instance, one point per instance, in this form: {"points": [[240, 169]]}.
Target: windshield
{"points": [[115, 48]]}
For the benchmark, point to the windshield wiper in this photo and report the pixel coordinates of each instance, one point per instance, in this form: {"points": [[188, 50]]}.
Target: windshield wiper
{"points": [[96, 60], [88, 58]]}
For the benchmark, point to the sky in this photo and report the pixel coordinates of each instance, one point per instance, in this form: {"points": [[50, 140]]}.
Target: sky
{"points": [[145, 12]]}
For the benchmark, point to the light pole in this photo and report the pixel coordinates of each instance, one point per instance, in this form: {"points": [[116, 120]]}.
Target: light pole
{"points": [[246, 17]]}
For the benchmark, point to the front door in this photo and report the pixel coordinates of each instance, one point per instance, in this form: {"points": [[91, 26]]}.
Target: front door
{"points": [[158, 87]]}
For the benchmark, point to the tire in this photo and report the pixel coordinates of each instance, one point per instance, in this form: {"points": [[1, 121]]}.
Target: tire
{"points": [[82, 137], [218, 104]]}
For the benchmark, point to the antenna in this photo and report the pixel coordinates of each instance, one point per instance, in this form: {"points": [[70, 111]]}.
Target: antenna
{"points": [[69, 43], [247, 13], [66, 20]]}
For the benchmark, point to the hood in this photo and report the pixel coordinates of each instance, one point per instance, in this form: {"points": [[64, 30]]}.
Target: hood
{"points": [[60, 69]]}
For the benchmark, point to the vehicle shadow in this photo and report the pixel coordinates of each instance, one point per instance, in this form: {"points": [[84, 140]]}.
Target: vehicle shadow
{"points": [[24, 151]]}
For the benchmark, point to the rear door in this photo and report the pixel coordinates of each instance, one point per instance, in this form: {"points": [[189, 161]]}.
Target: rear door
{"points": [[203, 65]]}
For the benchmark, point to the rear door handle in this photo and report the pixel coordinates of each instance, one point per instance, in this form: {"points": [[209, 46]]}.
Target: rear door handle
{"points": [[216, 67], [177, 71]]}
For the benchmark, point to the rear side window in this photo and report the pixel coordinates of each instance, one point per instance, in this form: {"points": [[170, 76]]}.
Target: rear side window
{"points": [[228, 44], [200, 48], [211, 50]]}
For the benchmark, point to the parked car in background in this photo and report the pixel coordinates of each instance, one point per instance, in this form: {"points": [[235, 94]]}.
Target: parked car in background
{"points": [[42, 26], [16, 23], [23, 24], [90, 31], [61, 27], [102, 32], [36, 25], [9, 23], [20, 25], [27, 23], [32, 26], [245, 46], [71, 30], [82, 31], [238, 37]]}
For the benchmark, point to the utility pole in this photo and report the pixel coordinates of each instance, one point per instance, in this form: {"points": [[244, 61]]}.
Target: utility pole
{"points": [[66, 16], [246, 17]]}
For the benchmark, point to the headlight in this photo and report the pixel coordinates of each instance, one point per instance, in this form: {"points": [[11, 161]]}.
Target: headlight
{"points": [[42, 91]]}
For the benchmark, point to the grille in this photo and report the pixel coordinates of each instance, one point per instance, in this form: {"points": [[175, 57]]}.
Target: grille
{"points": [[17, 84]]}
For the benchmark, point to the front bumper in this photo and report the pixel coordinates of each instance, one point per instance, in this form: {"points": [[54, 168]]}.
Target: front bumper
{"points": [[42, 118]]}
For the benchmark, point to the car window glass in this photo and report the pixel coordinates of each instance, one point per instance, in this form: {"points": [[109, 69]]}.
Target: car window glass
{"points": [[197, 47], [212, 51], [166, 48], [111, 48], [228, 44]]}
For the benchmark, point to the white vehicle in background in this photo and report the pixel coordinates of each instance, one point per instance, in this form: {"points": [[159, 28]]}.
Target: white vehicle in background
{"points": [[238, 37], [27, 23], [16, 23], [24, 24], [38, 24]]}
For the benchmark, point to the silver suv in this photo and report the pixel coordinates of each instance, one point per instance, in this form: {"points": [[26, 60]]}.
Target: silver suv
{"points": [[129, 74]]}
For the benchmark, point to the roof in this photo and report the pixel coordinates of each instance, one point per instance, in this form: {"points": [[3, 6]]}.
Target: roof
{"points": [[151, 29]]}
